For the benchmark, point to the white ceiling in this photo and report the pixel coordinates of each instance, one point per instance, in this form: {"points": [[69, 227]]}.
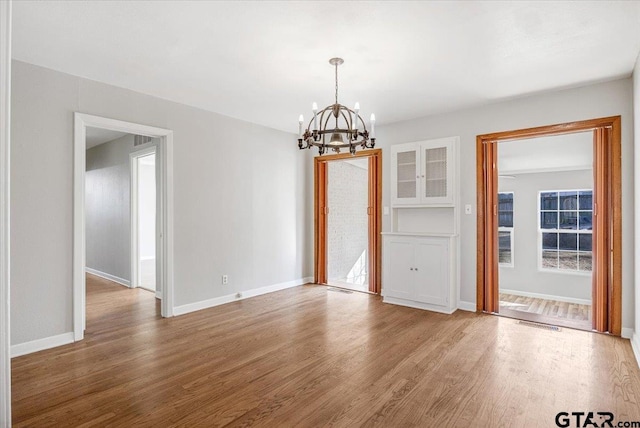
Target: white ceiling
{"points": [[566, 152], [97, 136], [265, 62]]}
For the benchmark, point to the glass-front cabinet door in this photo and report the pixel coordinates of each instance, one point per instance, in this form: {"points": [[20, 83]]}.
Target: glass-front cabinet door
{"points": [[436, 177], [405, 173]]}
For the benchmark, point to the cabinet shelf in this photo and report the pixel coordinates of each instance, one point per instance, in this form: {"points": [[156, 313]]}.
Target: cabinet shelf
{"points": [[406, 181], [407, 164]]}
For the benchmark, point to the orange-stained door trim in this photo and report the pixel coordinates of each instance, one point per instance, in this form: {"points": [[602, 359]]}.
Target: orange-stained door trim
{"points": [[607, 167], [374, 212]]}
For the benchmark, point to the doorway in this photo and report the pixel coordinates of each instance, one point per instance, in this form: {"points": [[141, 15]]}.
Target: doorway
{"points": [[560, 212], [545, 229], [348, 220], [164, 212], [144, 220]]}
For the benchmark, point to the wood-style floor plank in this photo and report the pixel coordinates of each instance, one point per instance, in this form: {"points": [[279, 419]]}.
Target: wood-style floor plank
{"points": [[307, 356]]}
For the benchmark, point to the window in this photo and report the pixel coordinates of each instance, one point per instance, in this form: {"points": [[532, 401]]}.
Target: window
{"points": [[566, 229], [505, 229]]}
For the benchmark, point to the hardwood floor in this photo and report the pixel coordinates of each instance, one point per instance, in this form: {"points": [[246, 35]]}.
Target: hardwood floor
{"points": [[546, 311], [308, 357]]}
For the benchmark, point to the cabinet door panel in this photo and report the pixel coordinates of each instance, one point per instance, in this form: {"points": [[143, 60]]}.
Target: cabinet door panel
{"points": [[437, 172], [399, 275], [405, 173], [432, 276]]}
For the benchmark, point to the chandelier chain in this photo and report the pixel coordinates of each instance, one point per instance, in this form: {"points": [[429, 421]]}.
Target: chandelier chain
{"points": [[336, 83]]}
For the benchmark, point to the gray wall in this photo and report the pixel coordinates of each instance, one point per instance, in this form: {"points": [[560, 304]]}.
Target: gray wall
{"points": [[107, 208], [242, 196], [525, 276], [347, 222], [598, 100]]}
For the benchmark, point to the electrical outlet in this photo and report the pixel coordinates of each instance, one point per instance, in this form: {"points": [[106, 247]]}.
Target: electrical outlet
{"points": [[238, 295], [225, 279]]}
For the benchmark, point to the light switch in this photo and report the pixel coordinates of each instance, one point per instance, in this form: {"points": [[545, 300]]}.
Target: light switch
{"points": [[467, 209], [386, 210]]}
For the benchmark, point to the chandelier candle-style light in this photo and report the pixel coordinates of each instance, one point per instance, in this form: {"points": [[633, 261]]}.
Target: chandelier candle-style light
{"points": [[339, 124]]}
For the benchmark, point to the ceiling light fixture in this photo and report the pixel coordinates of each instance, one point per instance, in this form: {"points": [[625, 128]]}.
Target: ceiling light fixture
{"points": [[344, 129]]}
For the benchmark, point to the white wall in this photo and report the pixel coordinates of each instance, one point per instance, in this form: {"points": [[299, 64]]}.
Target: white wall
{"points": [[525, 276], [5, 122], [242, 195], [347, 222], [107, 208], [599, 100]]}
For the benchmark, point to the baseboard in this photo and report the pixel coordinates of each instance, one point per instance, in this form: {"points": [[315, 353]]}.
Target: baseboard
{"points": [[41, 344], [546, 296], [467, 306], [635, 345], [159, 295], [626, 333], [110, 277], [417, 305], [216, 301]]}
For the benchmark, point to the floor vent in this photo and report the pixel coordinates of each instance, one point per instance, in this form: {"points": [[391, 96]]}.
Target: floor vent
{"points": [[339, 290], [539, 325]]}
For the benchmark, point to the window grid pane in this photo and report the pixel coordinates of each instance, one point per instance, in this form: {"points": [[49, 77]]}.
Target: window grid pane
{"points": [[566, 222]]}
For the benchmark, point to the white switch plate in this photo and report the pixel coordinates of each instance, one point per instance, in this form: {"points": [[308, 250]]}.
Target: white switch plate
{"points": [[467, 209], [386, 210]]}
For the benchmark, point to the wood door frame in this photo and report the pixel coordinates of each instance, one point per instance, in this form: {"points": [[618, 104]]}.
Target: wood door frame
{"points": [[614, 316], [375, 223]]}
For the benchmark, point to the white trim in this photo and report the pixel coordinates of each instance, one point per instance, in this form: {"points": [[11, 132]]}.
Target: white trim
{"points": [[41, 344], [546, 296], [216, 301], [133, 211], [635, 345], [159, 295], [466, 306], [108, 276], [165, 160], [5, 122], [626, 333], [418, 305]]}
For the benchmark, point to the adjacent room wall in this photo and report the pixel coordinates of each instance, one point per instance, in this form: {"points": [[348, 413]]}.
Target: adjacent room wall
{"points": [[347, 226], [525, 276], [587, 102], [242, 194], [107, 209], [147, 207]]}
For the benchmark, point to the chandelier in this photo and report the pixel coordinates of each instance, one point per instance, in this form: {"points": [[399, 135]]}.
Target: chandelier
{"points": [[338, 124]]}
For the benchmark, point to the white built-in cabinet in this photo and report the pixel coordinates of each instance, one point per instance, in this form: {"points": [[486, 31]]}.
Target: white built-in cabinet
{"points": [[420, 253], [418, 271], [422, 173]]}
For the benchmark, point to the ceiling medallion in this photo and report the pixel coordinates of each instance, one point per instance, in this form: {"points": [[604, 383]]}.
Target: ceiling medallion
{"points": [[342, 132]]}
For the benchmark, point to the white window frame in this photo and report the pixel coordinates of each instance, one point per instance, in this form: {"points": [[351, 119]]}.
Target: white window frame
{"points": [[576, 232], [511, 231]]}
